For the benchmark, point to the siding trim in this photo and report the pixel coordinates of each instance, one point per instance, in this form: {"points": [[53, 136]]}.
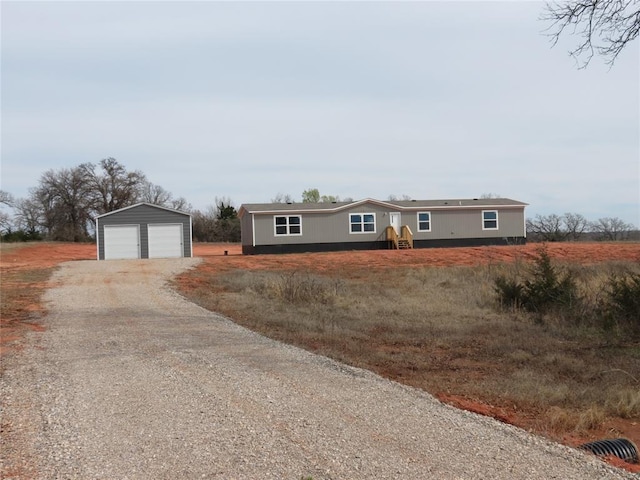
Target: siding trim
{"points": [[140, 204], [253, 229], [97, 240]]}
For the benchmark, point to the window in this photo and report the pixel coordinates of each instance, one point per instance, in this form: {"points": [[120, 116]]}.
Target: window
{"points": [[490, 220], [362, 223], [424, 221], [288, 225]]}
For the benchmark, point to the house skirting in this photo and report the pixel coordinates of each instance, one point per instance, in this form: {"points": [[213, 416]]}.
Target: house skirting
{"points": [[468, 242], [378, 245]]}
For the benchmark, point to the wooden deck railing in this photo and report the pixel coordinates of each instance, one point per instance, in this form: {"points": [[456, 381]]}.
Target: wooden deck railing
{"points": [[392, 236], [404, 240], [407, 234]]}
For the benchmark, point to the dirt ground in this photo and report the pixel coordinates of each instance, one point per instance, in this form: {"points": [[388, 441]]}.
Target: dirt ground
{"points": [[27, 310], [42, 255], [582, 253]]}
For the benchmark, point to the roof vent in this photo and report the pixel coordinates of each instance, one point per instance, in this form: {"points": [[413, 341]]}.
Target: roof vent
{"points": [[289, 203], [476, 199], [414, 200], [446, 203]]}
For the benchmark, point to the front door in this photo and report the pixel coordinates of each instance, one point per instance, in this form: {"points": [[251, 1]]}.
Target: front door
{"points": [[394, 221]]}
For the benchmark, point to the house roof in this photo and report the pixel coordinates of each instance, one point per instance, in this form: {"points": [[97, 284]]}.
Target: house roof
{"points": [[140, 204], [271, 208]]}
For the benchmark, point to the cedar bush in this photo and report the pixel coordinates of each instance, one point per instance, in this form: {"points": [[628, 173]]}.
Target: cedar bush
{"points": [[547, 290], [621, 305], [544, 289]]}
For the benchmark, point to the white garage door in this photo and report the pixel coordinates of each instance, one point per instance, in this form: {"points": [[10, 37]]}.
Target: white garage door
{"points": [[165, 241], [121, 241]]}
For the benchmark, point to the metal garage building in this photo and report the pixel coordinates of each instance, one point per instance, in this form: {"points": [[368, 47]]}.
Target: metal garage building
{"points": [[144, 231]]}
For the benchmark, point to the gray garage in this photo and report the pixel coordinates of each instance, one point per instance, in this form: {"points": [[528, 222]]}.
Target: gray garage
{"points": [[143, 231]]}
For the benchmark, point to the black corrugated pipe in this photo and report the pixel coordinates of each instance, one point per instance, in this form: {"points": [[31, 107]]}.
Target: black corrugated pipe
{"points": [[620, 447]]}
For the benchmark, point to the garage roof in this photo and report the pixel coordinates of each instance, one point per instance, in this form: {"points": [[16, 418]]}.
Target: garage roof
{"points": [[143, 203]]}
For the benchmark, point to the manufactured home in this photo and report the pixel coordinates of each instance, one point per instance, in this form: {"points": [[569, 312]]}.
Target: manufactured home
{"points": [[144, 230], [373, 224]]}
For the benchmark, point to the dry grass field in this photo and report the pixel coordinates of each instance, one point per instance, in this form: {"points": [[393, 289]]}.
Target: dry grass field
{"points": [[426, 318], [429, 319]]}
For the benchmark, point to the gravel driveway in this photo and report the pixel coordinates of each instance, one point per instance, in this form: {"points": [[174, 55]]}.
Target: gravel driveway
{"points": [[130, 380]]}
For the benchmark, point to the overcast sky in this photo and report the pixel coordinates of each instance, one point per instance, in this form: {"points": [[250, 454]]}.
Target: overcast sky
{"points": [[432, 100]]}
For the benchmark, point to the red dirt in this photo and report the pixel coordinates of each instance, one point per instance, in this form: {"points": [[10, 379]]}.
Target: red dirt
{"points": [[21, 305], [44, 255], [330, 262], [352, 264]]}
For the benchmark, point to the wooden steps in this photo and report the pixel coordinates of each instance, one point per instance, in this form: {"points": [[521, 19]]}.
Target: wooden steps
{"points": [[403, 243], [400, 242]]}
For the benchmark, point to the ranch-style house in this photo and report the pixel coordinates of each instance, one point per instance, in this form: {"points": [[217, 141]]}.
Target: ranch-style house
{"points": [[373, 224]]}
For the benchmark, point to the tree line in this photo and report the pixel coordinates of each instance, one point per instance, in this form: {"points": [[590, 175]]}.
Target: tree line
{"points": [[65, 202], [574, 227]]}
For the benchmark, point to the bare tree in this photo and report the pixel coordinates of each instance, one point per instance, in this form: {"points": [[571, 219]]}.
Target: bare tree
{"points": [[5, 219], [181, 204], [204, 224], [5, 222], [396, 198], [611, 229], [114, 187], [28, 216], [282, 198], [556, 228], [63, 205], [6, 198], [606, 27], [576, 225], [155, 194], [547, 227], [65, 197]]}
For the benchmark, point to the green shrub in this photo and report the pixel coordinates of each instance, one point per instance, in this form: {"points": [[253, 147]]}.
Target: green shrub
{"points": [[544, 289], [621, 305], [547, 289], [21, 236]]}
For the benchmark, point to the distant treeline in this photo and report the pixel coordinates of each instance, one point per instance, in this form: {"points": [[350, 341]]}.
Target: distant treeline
{"points": [[575, 227], [65, 202]]}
